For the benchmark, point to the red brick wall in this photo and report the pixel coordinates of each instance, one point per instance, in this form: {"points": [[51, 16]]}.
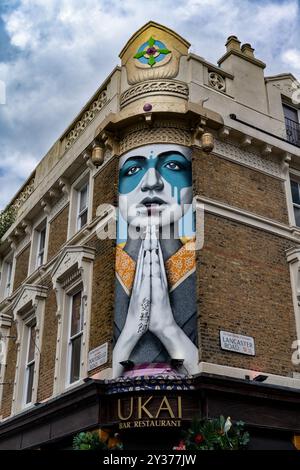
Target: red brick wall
{"points": [[48, 351], [244, 287], [58, 232], [102, 314], [22, 263], [105, 185], [8, 388], [236, 185]]}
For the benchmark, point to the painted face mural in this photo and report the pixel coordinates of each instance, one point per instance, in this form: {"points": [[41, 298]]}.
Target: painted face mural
{"points": [[155, 308]]}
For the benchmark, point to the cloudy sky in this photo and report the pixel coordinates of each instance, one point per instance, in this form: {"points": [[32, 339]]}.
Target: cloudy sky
{"points": [[55, 53]]}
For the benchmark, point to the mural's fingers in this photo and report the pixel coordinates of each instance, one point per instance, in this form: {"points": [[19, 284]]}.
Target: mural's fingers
{"points": [[147, 241], [162, 267], [154, 241], [139, 267], [147, 269], [155, 265]]}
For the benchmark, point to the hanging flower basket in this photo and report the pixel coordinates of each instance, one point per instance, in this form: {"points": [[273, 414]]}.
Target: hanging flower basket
{"points": [[97, 440], [214, 434]]}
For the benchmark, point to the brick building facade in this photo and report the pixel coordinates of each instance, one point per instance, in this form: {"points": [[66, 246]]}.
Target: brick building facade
{"points": [[246, 193]]}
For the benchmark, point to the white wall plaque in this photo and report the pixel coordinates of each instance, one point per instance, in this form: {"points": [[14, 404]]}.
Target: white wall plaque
{"points": [[98, 356], [237, 343]]}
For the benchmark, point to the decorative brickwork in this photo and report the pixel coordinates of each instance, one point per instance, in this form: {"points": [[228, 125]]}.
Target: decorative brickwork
{"points": [[24, 194], [86, 118], [248, 157], [175, 132], [154, 87]]}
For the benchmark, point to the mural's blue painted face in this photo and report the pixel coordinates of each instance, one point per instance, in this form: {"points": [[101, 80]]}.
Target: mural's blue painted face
{"points": [[155, 181]]}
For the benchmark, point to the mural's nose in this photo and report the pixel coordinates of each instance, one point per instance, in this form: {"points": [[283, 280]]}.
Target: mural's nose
{"points": [[152, 181]]}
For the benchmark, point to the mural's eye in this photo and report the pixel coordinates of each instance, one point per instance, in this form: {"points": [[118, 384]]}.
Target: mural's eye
{"points": [[172, 166], [133, 170]]}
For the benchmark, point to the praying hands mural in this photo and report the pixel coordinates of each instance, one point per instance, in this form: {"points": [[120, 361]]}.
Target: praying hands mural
{"points": [[155, 308]]}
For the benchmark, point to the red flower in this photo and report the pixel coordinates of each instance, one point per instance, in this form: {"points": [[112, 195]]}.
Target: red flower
{"points": [[199, 438], [181, 446]]}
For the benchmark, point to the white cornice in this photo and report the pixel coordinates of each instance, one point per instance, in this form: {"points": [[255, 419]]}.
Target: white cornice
{"points": [[249, 218]]}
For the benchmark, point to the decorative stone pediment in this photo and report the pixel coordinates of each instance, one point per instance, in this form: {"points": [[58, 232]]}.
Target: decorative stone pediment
{"points": [[28, 298], [71, 259], [153, 52], [73, 269], [74, 265], [29, 303], [287, 85]]}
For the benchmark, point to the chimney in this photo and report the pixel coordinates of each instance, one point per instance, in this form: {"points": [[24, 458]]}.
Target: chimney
{"points": [[248, 85], [248, 50], [233, 44]]}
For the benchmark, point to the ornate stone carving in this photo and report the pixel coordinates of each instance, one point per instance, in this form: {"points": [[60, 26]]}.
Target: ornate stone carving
{"points": [[216, 81], [175, 132], [86, 118], [71, 259], [247, 157], [154, 87], [152, 53], [29, 297], [285, 87], [24, 194], [72, 277]]}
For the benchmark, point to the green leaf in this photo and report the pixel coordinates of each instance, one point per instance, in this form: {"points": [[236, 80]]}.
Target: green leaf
{"points": [[151, 61], [151, 42], [138, 55], [163, 51]]}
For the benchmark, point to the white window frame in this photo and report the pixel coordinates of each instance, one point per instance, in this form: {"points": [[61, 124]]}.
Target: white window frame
{"points": [[294, 175], [4, 291], [5, 325], [41, 251], [293, 259], [80, 213], [28, 308], [84, 180], [27, 338], [40, 225], [79, 334], [72, 271]]}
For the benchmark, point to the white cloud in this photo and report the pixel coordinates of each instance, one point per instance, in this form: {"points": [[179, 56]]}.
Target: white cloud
{"points": [[292, 58], [66, 48]]}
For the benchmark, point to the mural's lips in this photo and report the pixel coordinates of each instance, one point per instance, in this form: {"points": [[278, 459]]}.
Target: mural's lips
{"points": [[150, 201], [152, 204]]}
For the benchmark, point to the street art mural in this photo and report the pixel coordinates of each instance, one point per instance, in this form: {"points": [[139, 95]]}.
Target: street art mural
{"points": [[155, 304]]}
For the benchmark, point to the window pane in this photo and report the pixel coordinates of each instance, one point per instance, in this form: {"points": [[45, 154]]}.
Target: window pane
{"points": [[295, 192], [30, 374], [76, 314], [31, 344], [8, 278], [297, 216], [83, 219], [40, 259], [42, 239], [83, 198], [290, 113], [75, 359]]}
